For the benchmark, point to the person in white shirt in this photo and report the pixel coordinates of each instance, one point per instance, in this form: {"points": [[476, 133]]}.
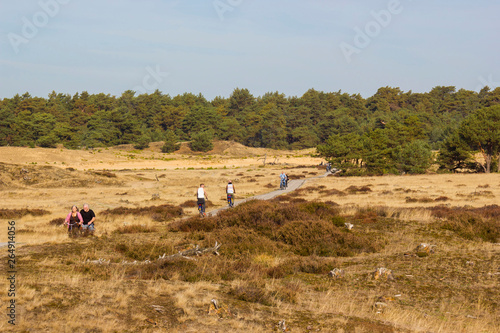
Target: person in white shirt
{"points": [[201, 194], [230, 191]]}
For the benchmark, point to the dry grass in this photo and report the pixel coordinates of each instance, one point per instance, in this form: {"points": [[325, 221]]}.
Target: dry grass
{"points": [[275, 256]]}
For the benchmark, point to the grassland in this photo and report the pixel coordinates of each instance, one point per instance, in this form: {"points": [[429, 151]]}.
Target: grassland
{"points": [[275, 257]]}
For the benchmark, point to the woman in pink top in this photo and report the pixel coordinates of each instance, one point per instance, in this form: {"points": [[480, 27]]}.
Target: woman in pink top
{"points": [[74, 220]]}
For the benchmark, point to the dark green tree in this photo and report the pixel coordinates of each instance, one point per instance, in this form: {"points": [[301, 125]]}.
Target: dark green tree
{"points": [[344, 151], [142, 142], [47, 141], [200, 119], [481, 131], [414, 157], [171, 142], [455, 154], [202, 141]]}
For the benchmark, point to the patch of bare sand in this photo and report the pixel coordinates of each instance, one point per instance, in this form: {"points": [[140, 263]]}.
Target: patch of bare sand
{"points": [[229, 154]]}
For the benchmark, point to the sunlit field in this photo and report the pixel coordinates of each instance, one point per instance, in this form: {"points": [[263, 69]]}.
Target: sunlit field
{"points": [[273, 271]]}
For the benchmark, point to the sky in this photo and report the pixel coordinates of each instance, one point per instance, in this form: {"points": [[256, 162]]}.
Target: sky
{"points": [[214, 46]]}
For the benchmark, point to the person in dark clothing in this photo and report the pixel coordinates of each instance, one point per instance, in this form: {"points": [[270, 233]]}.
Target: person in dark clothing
{"points": [[88, 217]]}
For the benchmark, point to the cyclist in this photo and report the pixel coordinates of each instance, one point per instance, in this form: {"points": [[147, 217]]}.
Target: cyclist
{"points": [[230, 191], [88, 217], [283, 178], [201, 194], [74, 221]]}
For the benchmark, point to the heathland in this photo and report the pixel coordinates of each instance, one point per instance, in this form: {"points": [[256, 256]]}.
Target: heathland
{"points": [[339, 254]]}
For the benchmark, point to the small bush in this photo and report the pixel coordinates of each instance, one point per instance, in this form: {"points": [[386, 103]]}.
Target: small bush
{"points": [[313, 238], [171, 142], [104, 174], [188, 204], [133, 229], [333, 192], [287, 292], [238, 240], [358, 189], [159, 213], [338, 221], [311, 264], [366, 216], [6, 213], [422, 200], [57, 221], [194, 224], [202, 142], [473, 223], [142, 142], [251, 292], [319, 209], [276, 272]]}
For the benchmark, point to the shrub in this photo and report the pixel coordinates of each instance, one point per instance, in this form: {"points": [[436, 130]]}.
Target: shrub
{"points": [[171, 142], [104, 174], [472, 223], [57, 221], [188, 204], [270, 227], [251, 292], [358, 189], [202, 142], [319, 209], [312, 238], [237, 240], [142, 142], [47, 141], [194, 224], [158, 213], [6, 213], [133, 229]]}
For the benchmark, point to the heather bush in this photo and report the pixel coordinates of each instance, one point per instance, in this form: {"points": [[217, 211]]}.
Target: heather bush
{"points": [[471, 223], [157, 213], [272, 227]]}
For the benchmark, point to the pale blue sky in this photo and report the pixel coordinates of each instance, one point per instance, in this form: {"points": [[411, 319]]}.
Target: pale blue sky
{"points": [[276, 45]]}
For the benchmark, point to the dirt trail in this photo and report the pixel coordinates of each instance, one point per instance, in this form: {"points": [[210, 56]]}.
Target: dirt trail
{"points": [[292, 186]]}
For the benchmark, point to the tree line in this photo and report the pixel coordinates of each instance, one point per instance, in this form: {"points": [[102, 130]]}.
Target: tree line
{"points": [[390, 132]]}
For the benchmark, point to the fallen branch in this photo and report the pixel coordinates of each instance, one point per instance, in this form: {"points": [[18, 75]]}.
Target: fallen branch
{"points": [[197, 251]]}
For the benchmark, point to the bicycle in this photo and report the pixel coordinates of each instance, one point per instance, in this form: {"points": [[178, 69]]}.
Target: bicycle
{"points": [[201, 209], [282, 184], [230, 200], [74, 230]]}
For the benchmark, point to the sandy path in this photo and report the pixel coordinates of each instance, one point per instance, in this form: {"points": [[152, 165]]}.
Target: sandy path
{"points": [[292, 186]]}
